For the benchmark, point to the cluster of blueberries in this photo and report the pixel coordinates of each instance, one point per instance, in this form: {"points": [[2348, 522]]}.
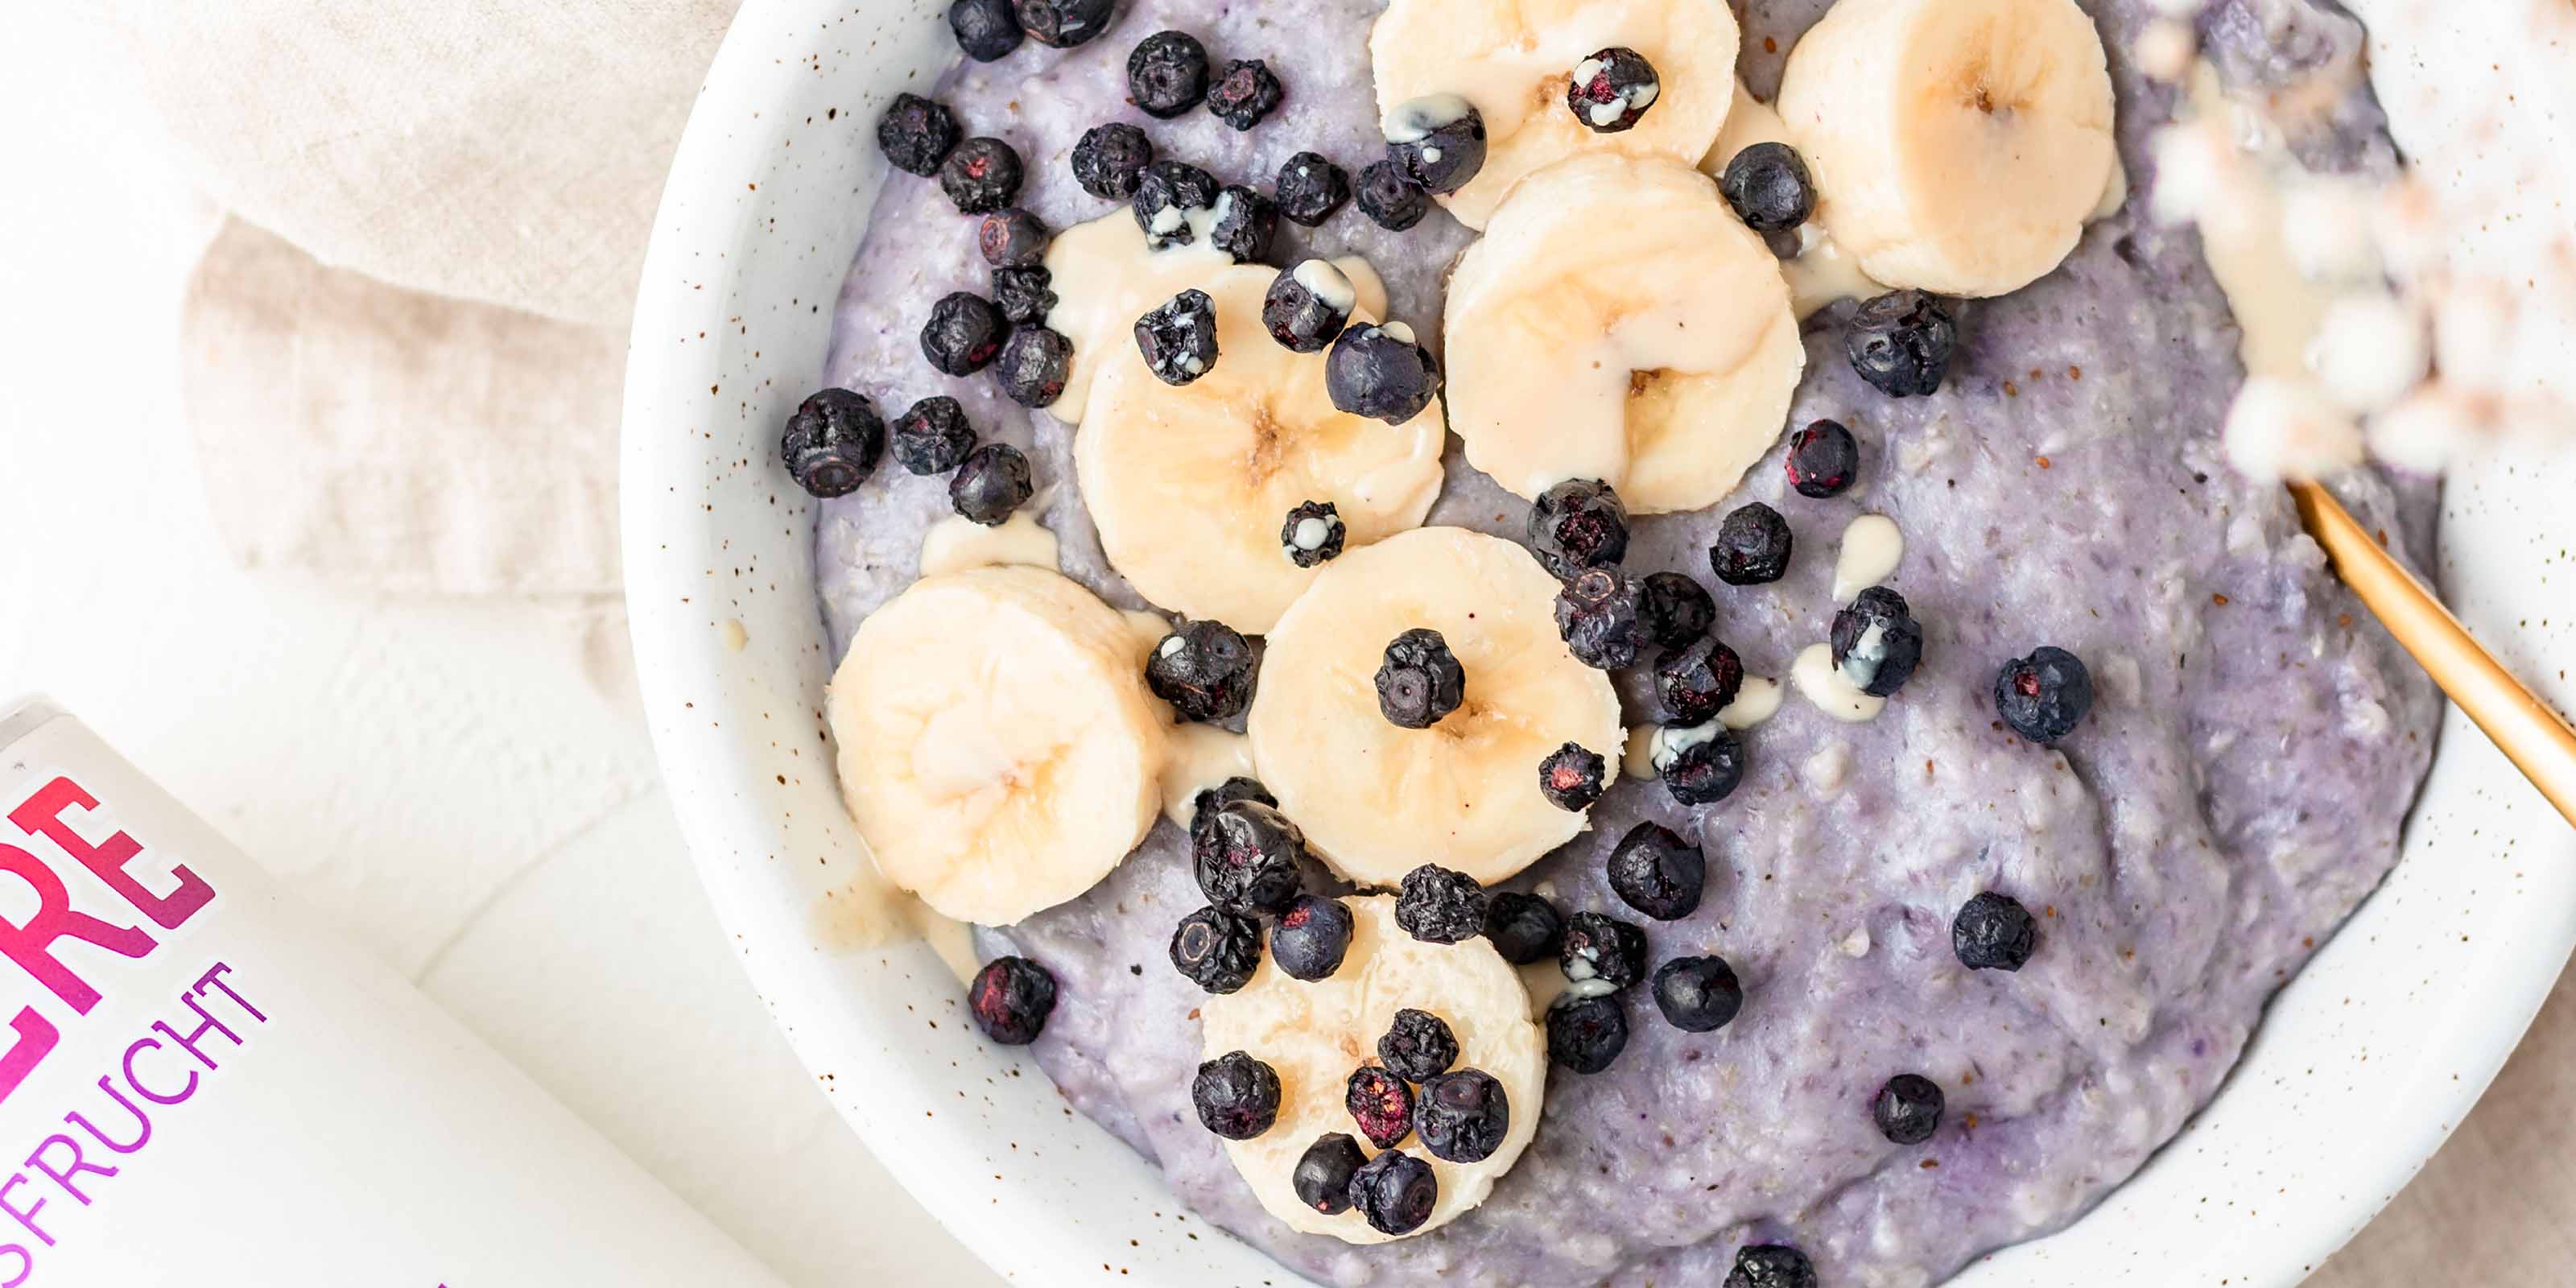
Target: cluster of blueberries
{"points": [[1460, 1115]]}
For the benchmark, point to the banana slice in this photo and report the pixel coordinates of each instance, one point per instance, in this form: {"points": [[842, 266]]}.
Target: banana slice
{"points": [[1958, 146], [1316, 1034], [998, 748], [1378, 801], [1188, 485], [1618, 323], [1513, 62]]}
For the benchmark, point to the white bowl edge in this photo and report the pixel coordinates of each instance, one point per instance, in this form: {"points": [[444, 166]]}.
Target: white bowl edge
{"points": [[2395, 1027]]}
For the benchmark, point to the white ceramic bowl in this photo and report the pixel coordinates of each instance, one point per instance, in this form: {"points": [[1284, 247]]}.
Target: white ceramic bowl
{"points": [[2364, 1065]]}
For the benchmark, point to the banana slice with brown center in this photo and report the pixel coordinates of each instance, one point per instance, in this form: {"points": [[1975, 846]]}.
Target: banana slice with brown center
{"points": [[1513, 61], [998, 748], [1958, 146], [1314, 1035], [1617, 322], [1377, 800], [1191, 485]]}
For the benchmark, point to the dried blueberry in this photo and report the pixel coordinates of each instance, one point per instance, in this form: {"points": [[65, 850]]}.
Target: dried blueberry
{"points": [[1381, 372], [1994, 932], [2044, 696], [1110, 159], [916, 134], [1570, 777], [1653, 870], [1010, 999], [1237, 1096], [1697, 994], [1767, 184], [1310, 188], [964, 334], [1245, 92], [1697, 680], [1417, 1046], [1578, 524], [933, 437], [1024, 295], [1676, 609], [1217, 950], [1313, 533], [1752, 547], [1601, 616], [1823, 459], [1312, 937], [1203, 807], [990, 483], [1771, 1265], [1246, 223], [1438, 141], [1178, 339], [832, 442], [982, 175], [1611, 90], [1013, 238], [1586, 1034], [1169, 197], [1598, 947], [1390, 196], [1703, 765], [1395, 1191], [986, 29], [1323, 1176], [1462, 1117], [1381, 1104], [1877, 643], [1034, 365], [1205, 669], [1439, 906], [1524, 928], [1246, 856], [1419, 682], [1907, 1109], [1308, 305], [1167, 74], [1063, 24], [1902, 343]]}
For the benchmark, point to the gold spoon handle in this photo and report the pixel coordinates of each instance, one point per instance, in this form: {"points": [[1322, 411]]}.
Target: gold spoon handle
{"points": [[2530, 734]]}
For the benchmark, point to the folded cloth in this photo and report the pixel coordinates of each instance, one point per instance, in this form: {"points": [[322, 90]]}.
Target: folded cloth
{"points": [[405, 441], [493, 150], [402, 354]]}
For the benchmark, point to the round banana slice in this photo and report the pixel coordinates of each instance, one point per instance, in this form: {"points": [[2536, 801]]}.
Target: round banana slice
{"points": [[1376, 800], [1190, 485], [1958, 146], [1316, 1034], [1513, 61], [1618, 323], [998, 747]]}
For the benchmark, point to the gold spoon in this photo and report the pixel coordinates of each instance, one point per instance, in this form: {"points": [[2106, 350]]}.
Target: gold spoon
{"points": [[2534, 737]]}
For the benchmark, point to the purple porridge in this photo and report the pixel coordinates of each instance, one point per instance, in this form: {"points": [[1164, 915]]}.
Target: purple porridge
{"points": [[2237, 788]]}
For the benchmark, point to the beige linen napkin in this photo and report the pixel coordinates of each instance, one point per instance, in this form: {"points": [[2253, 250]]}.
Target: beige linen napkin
{"points": [[402, 354]]}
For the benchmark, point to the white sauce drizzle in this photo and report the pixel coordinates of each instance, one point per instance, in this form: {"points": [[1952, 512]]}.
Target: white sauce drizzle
{"points": [[1872, 547], [1756, 702], [1327, 284], [1417, 119], [1829, 689]]}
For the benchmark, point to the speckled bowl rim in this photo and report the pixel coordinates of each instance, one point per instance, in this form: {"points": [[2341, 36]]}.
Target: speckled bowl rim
{"points": [[2396, 1026]]}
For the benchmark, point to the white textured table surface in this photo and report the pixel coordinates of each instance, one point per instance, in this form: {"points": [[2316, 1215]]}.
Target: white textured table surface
{"points": [[464, 786]]}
